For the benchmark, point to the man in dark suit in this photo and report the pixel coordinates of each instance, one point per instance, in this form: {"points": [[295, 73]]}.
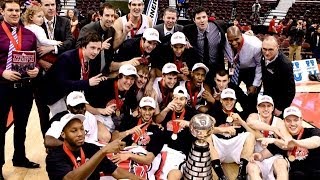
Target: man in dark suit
{"points": [[208, 39], [57, 28], [106, 32], [169, 25]]}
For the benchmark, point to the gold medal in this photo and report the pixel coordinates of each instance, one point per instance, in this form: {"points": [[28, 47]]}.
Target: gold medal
{"points": [[229, 119], [174, 136], [291, 158], [118, 112]]}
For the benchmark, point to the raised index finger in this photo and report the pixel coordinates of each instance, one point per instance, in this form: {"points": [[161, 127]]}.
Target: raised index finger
{"points": [[107, 40]]}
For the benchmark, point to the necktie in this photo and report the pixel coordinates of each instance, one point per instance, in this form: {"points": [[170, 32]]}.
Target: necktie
{"points": [[11, 48], [206, 57], [102, 59], [236, 67], [50, 29]]}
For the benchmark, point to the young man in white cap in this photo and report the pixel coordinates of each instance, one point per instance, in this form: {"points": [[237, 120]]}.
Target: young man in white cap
{"points": [[302, 150], [141, 131], [75, 159], [131, 25], [199, 94], [136, 51], [175, 118], [114, 98], [95, 130], [163, 86], [265, 124], [234, 140]]}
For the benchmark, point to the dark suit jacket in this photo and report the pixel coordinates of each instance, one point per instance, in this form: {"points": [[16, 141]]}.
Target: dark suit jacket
{"points": [[108, 54], [165, 40], [62, 32], [191, 33], [64, 77]]}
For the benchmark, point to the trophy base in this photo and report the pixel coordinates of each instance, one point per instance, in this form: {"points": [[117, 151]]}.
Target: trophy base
{"points": [[198, 165]]}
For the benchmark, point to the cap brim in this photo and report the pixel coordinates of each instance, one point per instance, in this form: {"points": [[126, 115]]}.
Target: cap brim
{"points": [[77, 103]]}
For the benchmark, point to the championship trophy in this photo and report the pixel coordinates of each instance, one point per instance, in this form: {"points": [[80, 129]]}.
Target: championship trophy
{"points": [[198, 165]]}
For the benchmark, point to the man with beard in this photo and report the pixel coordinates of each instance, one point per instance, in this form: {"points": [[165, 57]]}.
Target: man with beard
{"points": [[266, 125], [199, 94], [176, 117], [233, 140], [302, 150], [71, 73], [75, 159], [114, 99], [131, 25], [163, 86], [143, 132], [105, 30], [136, 51]]}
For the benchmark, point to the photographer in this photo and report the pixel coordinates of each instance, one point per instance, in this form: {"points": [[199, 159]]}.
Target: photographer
{"points": [[296, 37]]}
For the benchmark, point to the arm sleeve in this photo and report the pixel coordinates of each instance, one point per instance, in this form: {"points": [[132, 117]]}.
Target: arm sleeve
{"points": [[68, 41], [42, 38], [258, 72], [289, 86]]}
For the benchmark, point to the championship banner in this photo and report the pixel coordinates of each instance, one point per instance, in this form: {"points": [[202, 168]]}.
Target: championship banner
{"points": [[152, 10], [302, 68]]}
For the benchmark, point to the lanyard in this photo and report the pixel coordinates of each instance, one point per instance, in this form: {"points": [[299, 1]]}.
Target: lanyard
{"points": [[193, 97], [165, 98], [72, 158], [135, 136], [84, 69], [175, 125], [16, 45], [132, 31]]}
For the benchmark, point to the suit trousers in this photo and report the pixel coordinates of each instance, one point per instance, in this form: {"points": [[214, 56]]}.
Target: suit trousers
{"points": [[18, 96]]}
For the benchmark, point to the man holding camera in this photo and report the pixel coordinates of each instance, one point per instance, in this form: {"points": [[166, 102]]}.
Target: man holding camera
{"points": [[296, 35]]}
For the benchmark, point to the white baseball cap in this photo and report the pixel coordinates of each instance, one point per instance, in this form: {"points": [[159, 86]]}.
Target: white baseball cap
{"points": [[132, 0], [68, 117], [292, 110], [180, 90], [178, 38], [265, 98], [169, 67], [151, 34], [228, 93], [75, 98], [128, 70], [147, 101], [200, 65]]}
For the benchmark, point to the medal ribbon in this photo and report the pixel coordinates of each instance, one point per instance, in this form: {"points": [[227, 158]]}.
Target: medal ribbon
{"points": [[175, 125], [193, 97], [116, 92], [178, 62], [165, 98], [135, 136], [293, 151], [143, 60], [16, 45], [84, 67], [134, 31], [72, 158]]}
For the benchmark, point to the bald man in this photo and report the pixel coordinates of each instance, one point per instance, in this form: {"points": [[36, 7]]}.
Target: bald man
{"points": [[277, 75], [246, 66]]}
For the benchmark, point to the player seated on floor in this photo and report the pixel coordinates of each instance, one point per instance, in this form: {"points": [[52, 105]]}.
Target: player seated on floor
{"points": [[142, 132], [176, 117], [76, 104], [265, 125], [75, 159], [302, 150], [233, 140]]}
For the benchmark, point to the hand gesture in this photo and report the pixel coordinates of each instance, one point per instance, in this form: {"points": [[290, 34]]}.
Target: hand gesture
{"points": [[188, 45], [182, 123], [231, 130], [96, 79], [109, 110], [171, 106], [128, 26], [216, 94], [208, 96], [137, 129], [11, 75], [266, 141], [135, 61], [114, 146], [33, 72], [255, 157], [185, 70], [236, 117], [122, 156], [106, 45]]}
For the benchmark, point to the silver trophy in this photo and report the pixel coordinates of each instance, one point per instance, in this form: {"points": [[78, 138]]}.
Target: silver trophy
{"points": [[198, 165]]}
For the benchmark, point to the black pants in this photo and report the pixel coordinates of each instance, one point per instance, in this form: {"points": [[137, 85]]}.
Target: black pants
{"points": [[247, 76], [304, 174], [20, 97]]}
